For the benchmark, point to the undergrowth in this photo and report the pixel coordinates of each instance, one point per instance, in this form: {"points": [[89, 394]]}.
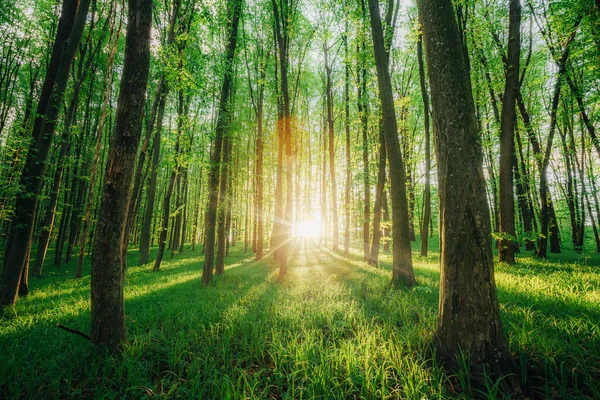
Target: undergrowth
{"points": [[333, 328]]}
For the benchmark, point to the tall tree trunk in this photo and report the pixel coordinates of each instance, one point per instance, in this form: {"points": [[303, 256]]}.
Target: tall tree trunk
{"points": [[65, 47], [223, 202], [374, 254], [522, 186], [282, 19], [469, 314], [221, 130], [331, 143], [402, 269], [363, 113], [108, 311], [507, 244], [162, 237], [427, 189], [146, 235], [259, 173], [347, 127]]}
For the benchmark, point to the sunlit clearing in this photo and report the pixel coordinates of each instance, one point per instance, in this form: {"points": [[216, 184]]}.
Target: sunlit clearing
{"points": [[311, 228]]}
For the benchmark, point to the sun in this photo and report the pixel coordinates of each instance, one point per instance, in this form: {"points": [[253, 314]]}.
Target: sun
{"points": [[310, 228]]}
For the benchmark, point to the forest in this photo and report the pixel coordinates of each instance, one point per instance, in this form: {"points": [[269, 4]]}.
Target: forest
{"points": [[289, 199]]}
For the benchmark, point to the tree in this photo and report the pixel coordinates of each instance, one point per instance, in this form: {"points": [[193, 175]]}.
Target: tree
{"points": [[507, 245], [402, 270], [108, 311], [427, 189], [223, 120], [283, 14], [469, 314]]}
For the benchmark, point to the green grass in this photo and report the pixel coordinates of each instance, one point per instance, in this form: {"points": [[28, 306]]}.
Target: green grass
{"points": [[333, 328]]}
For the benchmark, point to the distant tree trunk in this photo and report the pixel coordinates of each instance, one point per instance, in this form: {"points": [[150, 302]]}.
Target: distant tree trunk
{"points": [[282, 19], [363, 110], [179, 168], [223, 202], [385, 214], [348, 159], [402, 269], [507, 244], [73, 18], [162, 237], [469, 314], [331, 143], [108, 311], [324, 177], [259, 171], [220, 131], [374, 254], [427, 189], [522, 196], [584, 117], [48, 224], [146, 235]]}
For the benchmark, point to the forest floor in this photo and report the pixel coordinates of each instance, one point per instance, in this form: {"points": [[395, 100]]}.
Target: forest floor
{"points": [[333, 328]]}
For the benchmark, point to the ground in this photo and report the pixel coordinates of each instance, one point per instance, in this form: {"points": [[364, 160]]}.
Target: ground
{"points": [[333, 328]]}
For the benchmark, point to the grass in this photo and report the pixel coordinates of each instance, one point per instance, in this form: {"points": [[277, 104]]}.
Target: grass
{"points": [[333, 328]]}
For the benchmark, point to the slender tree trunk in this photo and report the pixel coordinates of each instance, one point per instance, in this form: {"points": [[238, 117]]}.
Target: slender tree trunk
{"points": [[146, 235], [259, 176], [348, 159], [522, 196], [374, 254], [331, 143], [402, 269], [427, 189], [221, 130], [108, 311], [162, 238], [469, 314], [48, 224], [507, 244], [223, 202], [363, 110], [282, 20]]}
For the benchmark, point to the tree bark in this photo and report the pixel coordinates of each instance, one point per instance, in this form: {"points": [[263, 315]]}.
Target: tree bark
{"points": [[374, 254], [146, 234], [507, 243], [363, 113], [221, 130], [282, 19], [347, 128], [427, 189], [469, 313], [108, 311], [331, 148], [162, 237], [402, 269], [223, 202]]}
